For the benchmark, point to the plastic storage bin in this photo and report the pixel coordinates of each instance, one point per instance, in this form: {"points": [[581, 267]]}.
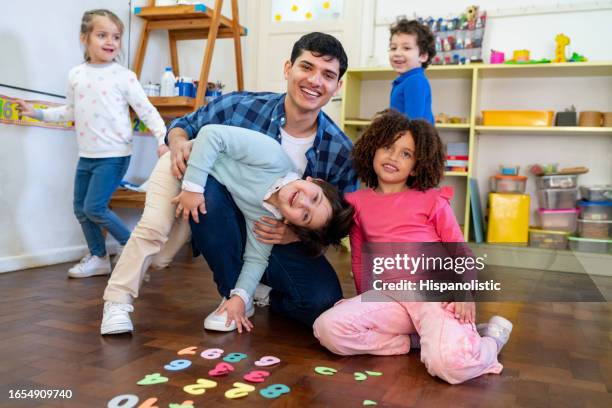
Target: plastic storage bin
{"points": [[508, 218], [557, 181], [595, 211], [590, 245], [595, 229], [596, 193], [556, 199], [539, 238], [558, 220], [508, 184], [517, 118]]}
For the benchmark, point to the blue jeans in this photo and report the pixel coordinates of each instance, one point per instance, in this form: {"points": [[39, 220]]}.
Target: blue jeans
{"points": [[302, 287], [94, 183]]}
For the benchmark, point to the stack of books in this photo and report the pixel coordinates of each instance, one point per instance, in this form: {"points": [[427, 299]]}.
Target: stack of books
{"points": [[457, 157]]}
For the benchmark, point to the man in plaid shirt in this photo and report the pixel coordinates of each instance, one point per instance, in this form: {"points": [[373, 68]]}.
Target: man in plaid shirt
{"points": [[302, 286]]}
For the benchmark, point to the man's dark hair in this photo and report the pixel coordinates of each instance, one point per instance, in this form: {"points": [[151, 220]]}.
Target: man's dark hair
{"points": [[336, 228], [424, 38], [321, 45]]}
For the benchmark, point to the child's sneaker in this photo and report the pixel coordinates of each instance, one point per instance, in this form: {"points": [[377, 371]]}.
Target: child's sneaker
{"points": [[116, 319], [91, 265], [261, 297], [498, 328], [217, 322]]}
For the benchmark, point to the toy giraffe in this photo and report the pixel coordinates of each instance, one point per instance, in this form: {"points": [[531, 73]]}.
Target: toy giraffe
{"points": [[562, 42]]}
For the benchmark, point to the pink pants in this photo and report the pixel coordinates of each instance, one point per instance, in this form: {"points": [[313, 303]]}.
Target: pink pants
{"points": [[450, 350]]}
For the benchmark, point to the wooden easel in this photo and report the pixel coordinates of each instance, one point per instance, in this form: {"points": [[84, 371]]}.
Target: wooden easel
{"points": [[189, 22]]}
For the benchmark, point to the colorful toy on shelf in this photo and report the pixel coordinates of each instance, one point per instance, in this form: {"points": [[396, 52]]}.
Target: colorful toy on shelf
{"points": [[472, 16], [577, 58], [521, 56], [509, 170], [562, 42], [442, 118], [497, 57]]}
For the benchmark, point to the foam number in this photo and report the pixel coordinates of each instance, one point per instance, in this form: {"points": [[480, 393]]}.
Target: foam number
{"points": [[369, 403], [177, 365], [241, 390], [212, 353], [221, 369], [123, 401], [188, 351], [266, 361], [150, 403], [200, 387], [7, 110], [274, 391], [374, 373], [234, 357], [257, 376], [325, 370], [151, 379], [360, 376], [184, 404]]}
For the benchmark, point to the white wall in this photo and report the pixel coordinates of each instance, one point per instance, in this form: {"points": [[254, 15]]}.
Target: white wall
{"points": [[37, 226]]}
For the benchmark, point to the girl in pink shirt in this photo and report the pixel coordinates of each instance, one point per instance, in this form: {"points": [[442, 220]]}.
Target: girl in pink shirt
{"points": [[401, 161]]}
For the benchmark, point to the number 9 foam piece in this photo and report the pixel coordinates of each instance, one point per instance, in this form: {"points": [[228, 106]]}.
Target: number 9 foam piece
{"points": [[241, 391], [234, 357], [266, 361], [274, 391], [177, 365], [325, 370], [150, 379]]}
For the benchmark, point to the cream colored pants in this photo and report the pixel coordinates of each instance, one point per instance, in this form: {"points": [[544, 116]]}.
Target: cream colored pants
{"points": [[155, 240]]}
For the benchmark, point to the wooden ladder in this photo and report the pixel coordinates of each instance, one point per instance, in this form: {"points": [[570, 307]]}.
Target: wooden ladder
{"points": [[189, 22]]}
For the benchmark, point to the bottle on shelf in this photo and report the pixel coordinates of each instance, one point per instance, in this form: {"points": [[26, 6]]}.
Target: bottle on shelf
{"points": [[167, 83]]}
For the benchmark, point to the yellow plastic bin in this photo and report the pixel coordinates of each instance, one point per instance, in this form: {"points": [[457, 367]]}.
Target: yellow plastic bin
{"points": [[517, 118], [508, 218]]}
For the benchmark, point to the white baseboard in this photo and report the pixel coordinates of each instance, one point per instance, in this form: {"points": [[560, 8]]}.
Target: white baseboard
{"points": [[47, 257]]}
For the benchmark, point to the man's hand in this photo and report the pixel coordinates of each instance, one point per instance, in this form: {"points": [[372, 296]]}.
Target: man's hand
{"points": [[465, 312], [188, 203], [180, 148], [24, 108], [271, 231], [162, 149], [235, 312]]}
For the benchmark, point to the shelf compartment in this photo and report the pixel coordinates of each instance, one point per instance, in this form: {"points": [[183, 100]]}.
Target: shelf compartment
{"points": [[173, 106], [558, 130]]}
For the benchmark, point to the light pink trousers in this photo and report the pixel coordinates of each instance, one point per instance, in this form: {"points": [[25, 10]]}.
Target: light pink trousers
{"points": [[453, 351]]}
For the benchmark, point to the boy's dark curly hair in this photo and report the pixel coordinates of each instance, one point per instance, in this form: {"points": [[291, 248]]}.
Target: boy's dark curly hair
{"points": [[424, 38], [338, 226], [388, 126]]}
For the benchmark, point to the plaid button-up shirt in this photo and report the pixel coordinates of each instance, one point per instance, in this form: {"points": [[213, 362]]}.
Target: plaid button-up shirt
{"points": [[329, 157]]}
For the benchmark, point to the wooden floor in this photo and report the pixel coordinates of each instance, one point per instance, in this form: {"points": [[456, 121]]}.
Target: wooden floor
{"points": [[559, 355]]}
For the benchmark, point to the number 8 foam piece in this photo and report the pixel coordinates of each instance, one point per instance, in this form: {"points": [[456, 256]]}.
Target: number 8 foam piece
{"points": [[200, 387], [274, 391], [151, 379], [241, 391], [177, 365], [234, 357]]}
